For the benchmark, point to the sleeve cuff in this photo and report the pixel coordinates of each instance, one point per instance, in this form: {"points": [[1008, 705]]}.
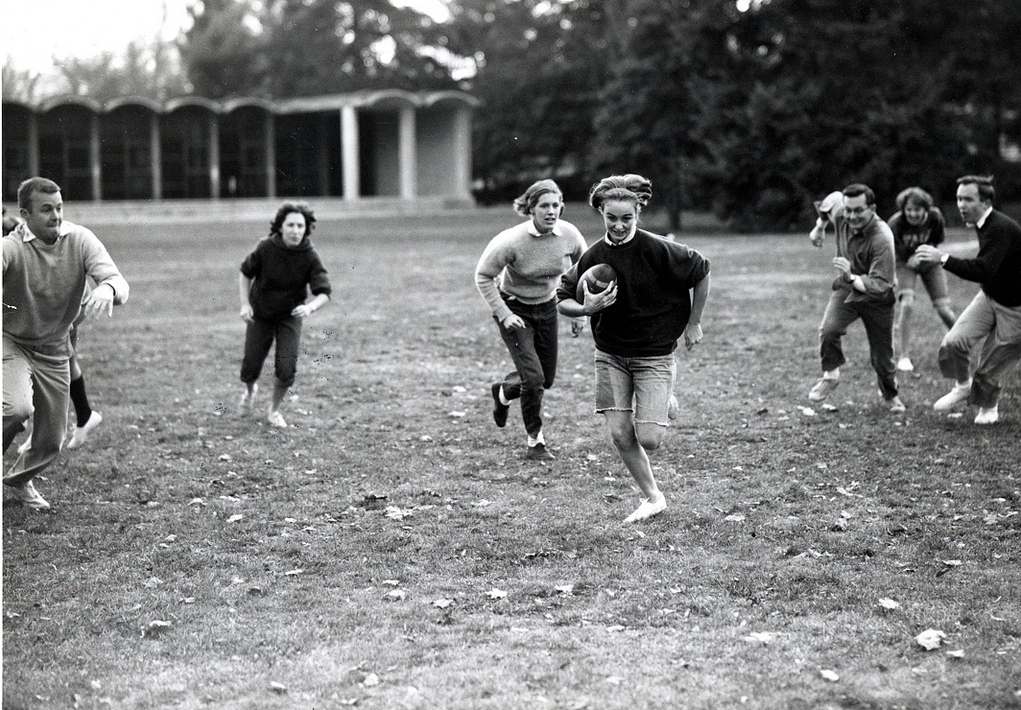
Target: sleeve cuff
{"points": [[943, 259]]}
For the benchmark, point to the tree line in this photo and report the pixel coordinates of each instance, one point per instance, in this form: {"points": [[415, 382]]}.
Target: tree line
{"points": [[749, 108]]}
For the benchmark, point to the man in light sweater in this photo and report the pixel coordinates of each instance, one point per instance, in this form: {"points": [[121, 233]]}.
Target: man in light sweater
{"points": [[517, 275], [46, 264]]}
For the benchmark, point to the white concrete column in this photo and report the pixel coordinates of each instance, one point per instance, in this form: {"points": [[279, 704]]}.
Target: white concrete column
{"points": [[95, 162], [155, 157], [214, 157], [271, 155], [462, 152], [350, 151], [408, 154]]}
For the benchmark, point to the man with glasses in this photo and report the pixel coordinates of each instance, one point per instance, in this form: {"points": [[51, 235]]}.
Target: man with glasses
{"points": [[863, 288]]}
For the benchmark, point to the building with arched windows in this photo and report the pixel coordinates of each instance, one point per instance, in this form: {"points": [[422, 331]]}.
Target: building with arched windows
{"points": [[397, 144]]}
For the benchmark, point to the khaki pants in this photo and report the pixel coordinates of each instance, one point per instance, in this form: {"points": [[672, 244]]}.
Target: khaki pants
{"points": [[35, 385], [1001, 328]]}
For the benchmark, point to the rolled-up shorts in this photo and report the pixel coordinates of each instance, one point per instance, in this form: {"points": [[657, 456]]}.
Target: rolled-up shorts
{"points": [[641, 385]]}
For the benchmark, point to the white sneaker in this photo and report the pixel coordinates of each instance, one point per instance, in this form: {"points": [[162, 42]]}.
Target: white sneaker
{"points": [[29, 496], [987, 416], [905, 365], [822, 388], [247, 400], [647, 509], [896, 406], [276, 419], [952, 398], [81, 433]]}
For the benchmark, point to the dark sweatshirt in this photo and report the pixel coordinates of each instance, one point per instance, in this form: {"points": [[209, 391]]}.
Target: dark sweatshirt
{"points": [[282, 276]]}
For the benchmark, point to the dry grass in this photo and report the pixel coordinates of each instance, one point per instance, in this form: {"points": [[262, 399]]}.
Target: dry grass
{"points": [[376, 533]]}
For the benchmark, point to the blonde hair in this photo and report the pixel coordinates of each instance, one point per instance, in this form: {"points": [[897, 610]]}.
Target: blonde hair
{"points": [[527, 201], [628, 188]]}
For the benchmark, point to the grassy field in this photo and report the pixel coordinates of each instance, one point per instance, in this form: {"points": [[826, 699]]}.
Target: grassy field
{"points": [[392, 549]]}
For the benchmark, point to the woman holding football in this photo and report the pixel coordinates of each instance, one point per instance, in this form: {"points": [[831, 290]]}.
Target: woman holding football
{"points": [[657, 298], [517, 275]]}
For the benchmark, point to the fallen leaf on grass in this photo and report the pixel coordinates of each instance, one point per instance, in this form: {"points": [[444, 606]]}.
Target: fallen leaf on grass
{"points": [[807, 411], [760, 638], [456, 415], [396, 594], [829, 675], [735, 518], [398, 513], [930, 639], [830, 408], [888, 603], [614, 680], [371, 680], [495, 593], [952, 563], [293, 572], [956, 654], [277, 687], [156, 628], [443, 603], [234, 518], [565, 588]]}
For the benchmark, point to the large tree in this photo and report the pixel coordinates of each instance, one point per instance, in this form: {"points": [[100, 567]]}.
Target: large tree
{"points": [[223, 49], [648, 115], [282, 48], [537, 67], [833, 92]]}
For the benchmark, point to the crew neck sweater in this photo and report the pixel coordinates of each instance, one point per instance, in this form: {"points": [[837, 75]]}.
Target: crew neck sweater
{"points": [[654, 277]]}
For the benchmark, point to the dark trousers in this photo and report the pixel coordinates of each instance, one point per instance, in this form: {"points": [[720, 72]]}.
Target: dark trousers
{"points": [[878, 322], [534, 351], [259, 338]]}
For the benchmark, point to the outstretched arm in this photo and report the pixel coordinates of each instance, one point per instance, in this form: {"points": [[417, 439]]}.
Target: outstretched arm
{"points": [[245, 287], [693, 330]]}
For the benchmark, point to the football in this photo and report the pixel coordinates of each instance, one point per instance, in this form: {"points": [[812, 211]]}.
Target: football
{"points": [[598, 279]]}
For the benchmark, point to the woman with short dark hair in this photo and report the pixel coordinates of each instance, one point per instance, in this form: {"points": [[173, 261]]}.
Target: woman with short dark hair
{"points": [[275, 281]]}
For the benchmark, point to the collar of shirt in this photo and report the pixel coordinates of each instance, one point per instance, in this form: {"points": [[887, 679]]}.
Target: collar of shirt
{"points": [[26, 234], [985, 215], [625, 240], [864, 227], [536, 233]]}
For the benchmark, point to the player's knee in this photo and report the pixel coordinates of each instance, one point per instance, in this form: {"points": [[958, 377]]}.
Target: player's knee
{"points": [[533, 382], [649, 435], [623, 437]]}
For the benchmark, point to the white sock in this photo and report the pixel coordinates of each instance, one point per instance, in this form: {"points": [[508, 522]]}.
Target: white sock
{"points": [[833, 374], [537, 440], [503, 400]]}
